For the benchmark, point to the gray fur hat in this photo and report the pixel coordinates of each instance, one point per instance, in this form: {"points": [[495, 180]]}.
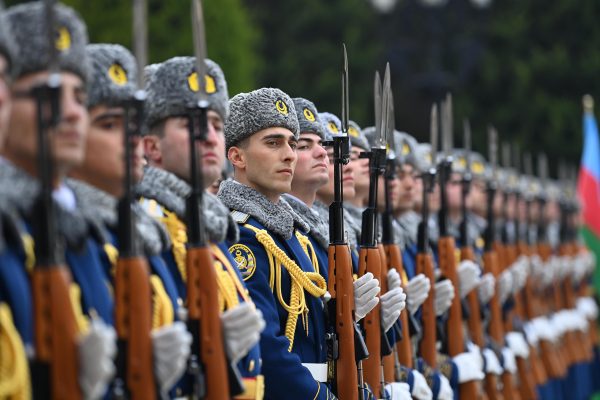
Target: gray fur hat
{"points": [[173, 85], [28, 26], [308, 117], [113, 76], [331, 124], [356, 136], [260, 109], [149, 71], [406, 150], [7, 46]]}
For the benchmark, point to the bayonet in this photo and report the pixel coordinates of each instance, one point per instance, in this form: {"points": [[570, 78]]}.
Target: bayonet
{"points": [[345, 94], [140, 38], [467, 147], [377, 95], [493, 150], [433, 133], [506, 155], [200, 51], [385, 110]]}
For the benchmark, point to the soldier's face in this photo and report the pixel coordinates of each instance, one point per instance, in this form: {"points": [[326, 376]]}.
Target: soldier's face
{"points": [[477, 198], [434, 199], [454, 192], [312, 168], [104, 165], [361, 170], [267, 161], [5, 100], [394, 192], [406, 177], [326, 192], [418, 194], [67, 141], [175, 148]]}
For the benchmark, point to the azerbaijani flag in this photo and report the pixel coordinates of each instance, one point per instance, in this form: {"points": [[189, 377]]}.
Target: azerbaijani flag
{"points": [[588, 185]]}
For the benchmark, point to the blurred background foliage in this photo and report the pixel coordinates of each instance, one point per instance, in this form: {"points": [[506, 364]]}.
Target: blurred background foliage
{"points": [[519, 65]]}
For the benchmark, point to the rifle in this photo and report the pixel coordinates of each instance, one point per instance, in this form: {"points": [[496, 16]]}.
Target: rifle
{"points": [[369, 258], [133, 296], [547, 353], [447, 259], [427, 346], [491, 264], [525, 368], [213, 376], [56, 335], [341, 305], [391, 256]]}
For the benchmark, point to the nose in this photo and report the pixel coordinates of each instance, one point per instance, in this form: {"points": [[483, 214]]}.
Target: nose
{"points": [[72, 109], [289, 153], [211, 135], [320, 152]]}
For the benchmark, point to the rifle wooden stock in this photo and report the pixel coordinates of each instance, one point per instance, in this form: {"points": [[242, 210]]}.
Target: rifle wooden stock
{"points": [[403, 347], [369, 261], [56, 331], [496, 328], [427, 347], [476, 330], [456, 340], [204, 319], [525, 369], [525, 311], [340, 287], [387, 360], [133, 322]]}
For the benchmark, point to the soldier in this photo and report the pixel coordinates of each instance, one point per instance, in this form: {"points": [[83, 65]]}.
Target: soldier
{"points": [[359, 142], [164, 189], [99, 184], [20, 186], [302, 197], [333, 126], [16, 322], [286, 285]]}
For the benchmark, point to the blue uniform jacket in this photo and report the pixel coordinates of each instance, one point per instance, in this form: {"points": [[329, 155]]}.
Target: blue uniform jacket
{"points": [[285, 377]]}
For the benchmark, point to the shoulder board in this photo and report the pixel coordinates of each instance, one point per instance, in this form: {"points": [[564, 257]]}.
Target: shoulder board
{"points": [[239, 216], [152, 207]]}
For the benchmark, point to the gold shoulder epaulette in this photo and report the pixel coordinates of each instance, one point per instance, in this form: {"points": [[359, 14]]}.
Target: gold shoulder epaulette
{"points": [[239, 216]]}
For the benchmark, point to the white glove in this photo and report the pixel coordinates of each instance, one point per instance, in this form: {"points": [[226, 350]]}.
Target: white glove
{"points": [[97, 349], [398, 391], [519, 270], [446, 392], [468, 367], [486, 288], [366, 289], [516, 342], [468, 277], [420, 390], [393, 301], [510, 363], [171, 349], [417, 290], [444, 293], [531, 333], [492, 364], [242, 326], [587, 307], [543, 329], [505, 282]]}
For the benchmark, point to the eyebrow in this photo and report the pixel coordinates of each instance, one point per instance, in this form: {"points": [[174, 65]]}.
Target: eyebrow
{"points": [[279, 136], [109, 114]]}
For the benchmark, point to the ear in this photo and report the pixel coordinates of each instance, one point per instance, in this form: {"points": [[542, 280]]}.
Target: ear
{"points": [[152, 150], [237, 157]]}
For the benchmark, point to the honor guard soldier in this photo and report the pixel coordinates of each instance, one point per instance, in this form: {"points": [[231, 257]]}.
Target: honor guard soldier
{"points": [[285, 283], [99, 183], [16, 321], [19, 175], [333, 126], [165, 187]]}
